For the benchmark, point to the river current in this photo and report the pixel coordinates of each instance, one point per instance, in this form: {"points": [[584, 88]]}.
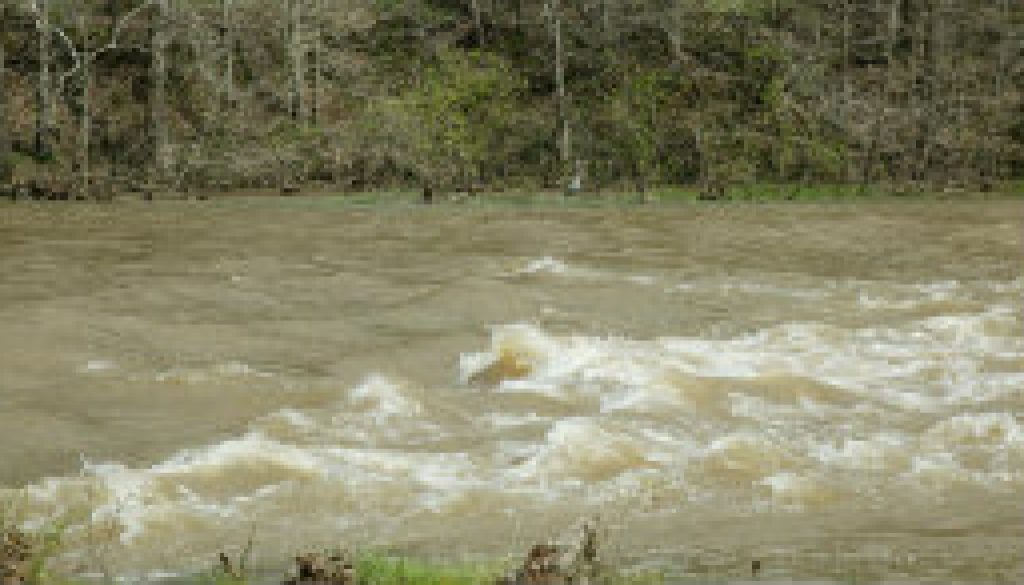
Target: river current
{"points": [[835, 388]]}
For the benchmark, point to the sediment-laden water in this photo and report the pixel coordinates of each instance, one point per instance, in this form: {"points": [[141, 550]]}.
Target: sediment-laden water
{"points": [[835, 388]]}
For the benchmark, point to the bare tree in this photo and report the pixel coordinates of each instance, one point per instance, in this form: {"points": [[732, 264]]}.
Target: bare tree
{"points": [[5, 139], [160, 28], [83, 55], [227, 37], [847, 100], [555, 9], [320, 14], [43, 109], [86, 118], [297, 51]]}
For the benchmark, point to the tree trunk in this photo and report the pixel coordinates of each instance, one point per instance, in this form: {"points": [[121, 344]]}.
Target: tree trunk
{"points": [[937, 106], [477, 22], [114, 10], [563, 117], [86, 121], [158, 96], [893, 26], [5, 140], [228, 45], [42, 135], [1006, 38], [296, 49], [847, 94], [318, 51]]}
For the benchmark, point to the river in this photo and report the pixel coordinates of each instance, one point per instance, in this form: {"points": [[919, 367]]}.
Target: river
{"points": [[835, 388]]}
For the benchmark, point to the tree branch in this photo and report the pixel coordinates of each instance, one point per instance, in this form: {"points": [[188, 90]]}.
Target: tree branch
{"points": [[78, 56]]}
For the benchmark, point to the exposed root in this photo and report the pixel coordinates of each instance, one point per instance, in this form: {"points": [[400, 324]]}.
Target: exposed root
{"points": [[565, 564]]}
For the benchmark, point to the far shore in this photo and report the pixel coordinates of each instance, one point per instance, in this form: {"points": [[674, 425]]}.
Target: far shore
{"points": [[617, 194]]}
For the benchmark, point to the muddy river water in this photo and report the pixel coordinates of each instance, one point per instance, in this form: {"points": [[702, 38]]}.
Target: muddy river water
{"points": [[835, 388]]}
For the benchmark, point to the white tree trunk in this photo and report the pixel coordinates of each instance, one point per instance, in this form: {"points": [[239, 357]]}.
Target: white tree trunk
{"points": [[161, 142], [847, 94], [86, 121], [563, 118], [42, 138]]}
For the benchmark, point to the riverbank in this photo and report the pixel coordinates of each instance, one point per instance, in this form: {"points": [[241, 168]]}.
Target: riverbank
{"points": [[652, 195], [34, 558]]}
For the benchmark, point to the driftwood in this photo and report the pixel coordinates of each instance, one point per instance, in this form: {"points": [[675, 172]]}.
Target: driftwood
{"points": [[323, 569], [559, 564], [233, 570]]}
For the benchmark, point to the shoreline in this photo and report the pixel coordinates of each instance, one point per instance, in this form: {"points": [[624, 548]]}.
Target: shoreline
{"points": [[754, 193]]}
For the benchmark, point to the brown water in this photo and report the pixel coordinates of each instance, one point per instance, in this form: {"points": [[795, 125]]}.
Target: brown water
{"points": [[828, 387]]}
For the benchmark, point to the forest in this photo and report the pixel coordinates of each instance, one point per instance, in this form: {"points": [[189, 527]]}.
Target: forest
{"points": [[104, 96]]}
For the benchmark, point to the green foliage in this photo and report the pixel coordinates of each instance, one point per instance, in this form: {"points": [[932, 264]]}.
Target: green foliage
{"points": [[786, 91], [379, 569], [451, 125]]}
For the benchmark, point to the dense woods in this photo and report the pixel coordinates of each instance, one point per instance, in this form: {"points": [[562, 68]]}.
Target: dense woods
{"points": [[105, 95]]}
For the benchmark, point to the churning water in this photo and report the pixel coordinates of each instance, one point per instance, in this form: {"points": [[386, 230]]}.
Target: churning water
{"points": [[830, 387]]}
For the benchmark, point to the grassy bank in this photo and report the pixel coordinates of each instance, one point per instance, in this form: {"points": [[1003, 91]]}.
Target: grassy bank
{"points": [[40, 557], [28, 557]]}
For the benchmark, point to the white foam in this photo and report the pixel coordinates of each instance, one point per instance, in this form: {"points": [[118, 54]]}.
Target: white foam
{"points": [[545, 264], [502, 420], [384, 398], [133, 496], [641, 279], [912, 367], [796, 491], [98, 365], [231, 370], [881, 453], [580, 449]]}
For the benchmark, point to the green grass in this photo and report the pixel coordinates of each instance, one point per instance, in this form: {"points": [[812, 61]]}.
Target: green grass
{"points": [[379, 569], [45, 543]]}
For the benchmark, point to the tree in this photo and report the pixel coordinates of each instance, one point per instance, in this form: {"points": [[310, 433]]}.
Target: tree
{"points": [[41, 8], [6, 162], [562, 122], [297, 52], [83, 55], [159, 32]]}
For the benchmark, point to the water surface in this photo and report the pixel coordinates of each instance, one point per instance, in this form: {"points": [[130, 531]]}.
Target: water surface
{"points": [[825, 386]]}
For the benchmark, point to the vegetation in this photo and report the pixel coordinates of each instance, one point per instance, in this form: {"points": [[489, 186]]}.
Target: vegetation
{"points": [[362, 94], [25, 556]]}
